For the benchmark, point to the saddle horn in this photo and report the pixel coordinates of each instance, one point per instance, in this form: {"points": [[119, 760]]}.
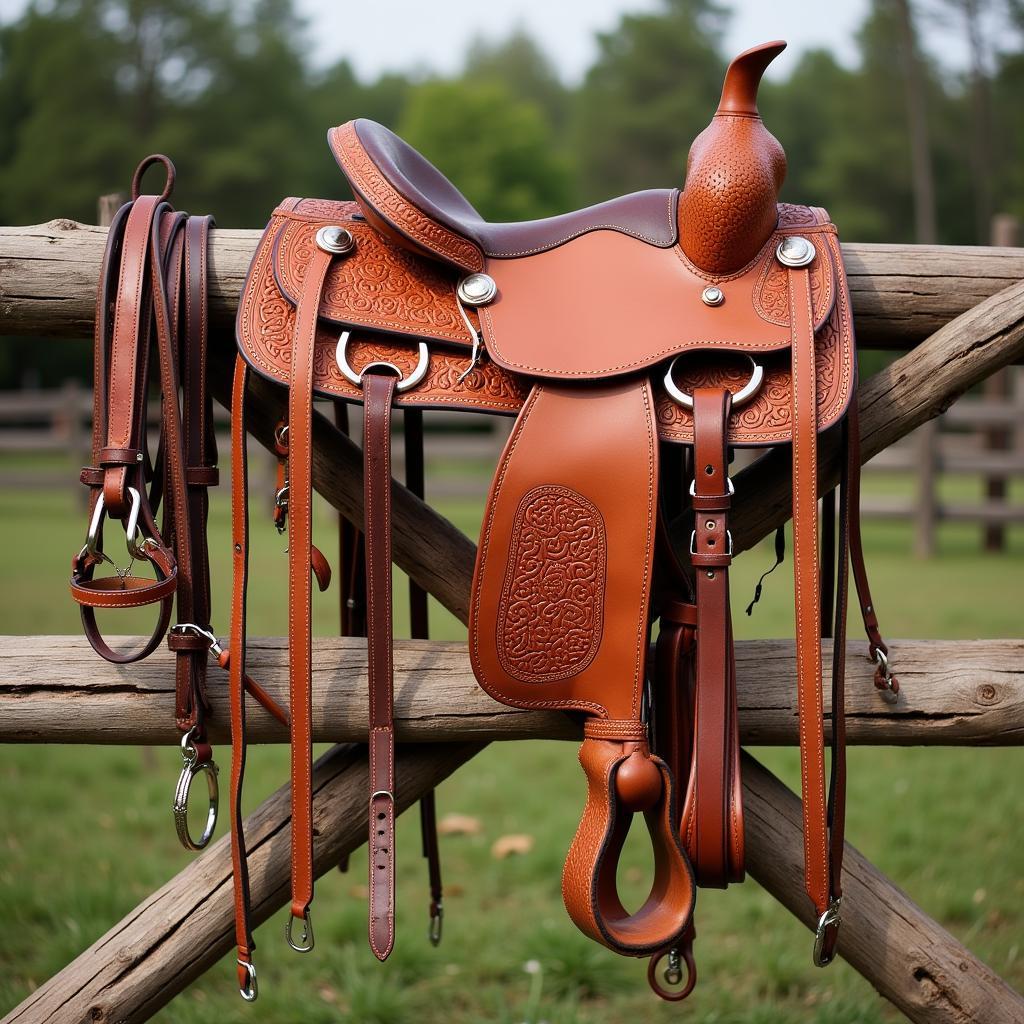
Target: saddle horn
{"points": [[727, 208]]}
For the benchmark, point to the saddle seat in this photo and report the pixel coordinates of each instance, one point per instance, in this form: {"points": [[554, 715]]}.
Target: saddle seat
{"points": [[408, 198]]}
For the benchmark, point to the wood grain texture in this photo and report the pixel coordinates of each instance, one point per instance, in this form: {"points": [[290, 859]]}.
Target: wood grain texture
{"points": [[900, 293], [909, 958], [952, 693]]}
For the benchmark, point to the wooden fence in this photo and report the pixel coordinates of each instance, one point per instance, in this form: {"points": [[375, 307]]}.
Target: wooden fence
{"points": [[964, 320]]}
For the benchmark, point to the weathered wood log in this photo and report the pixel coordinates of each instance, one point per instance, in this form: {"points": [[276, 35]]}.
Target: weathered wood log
{"points": [[185, 927], [900, 293], [954, 693], [909, 958]]}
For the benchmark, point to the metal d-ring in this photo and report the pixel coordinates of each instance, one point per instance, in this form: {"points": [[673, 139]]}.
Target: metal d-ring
{"points": [[133, 535], [306, 938], [190, 768], [741, 397], [404, 383]]}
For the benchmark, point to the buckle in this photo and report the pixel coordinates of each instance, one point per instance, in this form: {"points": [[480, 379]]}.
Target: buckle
{"points": [[829, 919], [305, 943], [889, 689]]}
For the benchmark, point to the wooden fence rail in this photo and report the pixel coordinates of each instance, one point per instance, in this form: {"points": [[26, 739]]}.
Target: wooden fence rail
{"points": [[900, 293], [963, 692]]}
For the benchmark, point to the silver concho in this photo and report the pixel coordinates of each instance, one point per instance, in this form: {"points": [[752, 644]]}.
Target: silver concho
{"points": [[477, 290], [336, 240], [712, 296], [795, 251]]}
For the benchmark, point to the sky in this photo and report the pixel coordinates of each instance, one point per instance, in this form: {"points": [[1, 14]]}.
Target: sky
{"points": [[381, 35], [434, 35]]}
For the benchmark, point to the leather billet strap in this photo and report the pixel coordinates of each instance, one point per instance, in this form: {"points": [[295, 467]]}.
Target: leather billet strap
{"points": [[236, 671], [300, 553], [624, 777], [240, 683], [379, 391], [878, 650], [819, 870], [712, 822], [419, 622]]}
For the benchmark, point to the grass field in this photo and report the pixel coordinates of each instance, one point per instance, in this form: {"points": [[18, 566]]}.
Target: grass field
{"points": [[86, 832]]}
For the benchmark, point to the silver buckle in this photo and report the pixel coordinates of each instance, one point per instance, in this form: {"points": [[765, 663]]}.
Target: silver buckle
{"points": [[888, 692], [251, 990], [306, 938], [134, 540]]}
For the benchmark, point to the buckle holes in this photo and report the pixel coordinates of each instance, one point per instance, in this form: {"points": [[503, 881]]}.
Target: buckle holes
{"points": [[380, 815], [380, 831], [710, 470]]}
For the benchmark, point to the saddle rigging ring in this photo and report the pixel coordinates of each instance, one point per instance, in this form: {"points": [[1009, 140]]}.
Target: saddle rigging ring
{"points": [[741, 397], [404, 383]]}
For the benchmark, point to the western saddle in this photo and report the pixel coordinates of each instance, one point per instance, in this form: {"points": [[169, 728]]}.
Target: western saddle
{"points": [[638, 343]]}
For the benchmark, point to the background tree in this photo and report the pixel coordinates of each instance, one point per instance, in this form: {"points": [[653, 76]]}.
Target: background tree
{"points": [[654, 84]]}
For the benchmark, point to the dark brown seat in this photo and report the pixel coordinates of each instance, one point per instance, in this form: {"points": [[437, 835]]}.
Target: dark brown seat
{"points": [[648, 215]]}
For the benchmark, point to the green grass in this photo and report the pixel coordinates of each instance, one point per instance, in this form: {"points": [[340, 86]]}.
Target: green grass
{"points": [[86, 832]]}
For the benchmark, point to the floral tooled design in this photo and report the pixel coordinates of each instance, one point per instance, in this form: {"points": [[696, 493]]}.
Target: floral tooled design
{"points": [[395, 208], [266, 323], [380, 285], [552, 603], [771, 295], [767, 418]]}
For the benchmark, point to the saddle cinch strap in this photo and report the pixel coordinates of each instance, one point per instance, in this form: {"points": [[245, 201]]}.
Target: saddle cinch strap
{"points": [[153, 285]]}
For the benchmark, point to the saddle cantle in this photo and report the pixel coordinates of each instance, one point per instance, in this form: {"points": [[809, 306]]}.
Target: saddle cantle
{"points": [[637, 342]]}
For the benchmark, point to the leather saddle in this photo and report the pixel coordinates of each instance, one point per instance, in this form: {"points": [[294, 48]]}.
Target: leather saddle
{"points": [[638, 343]]}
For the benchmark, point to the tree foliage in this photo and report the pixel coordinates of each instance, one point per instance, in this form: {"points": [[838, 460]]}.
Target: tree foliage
{"points": [[88, 87]]}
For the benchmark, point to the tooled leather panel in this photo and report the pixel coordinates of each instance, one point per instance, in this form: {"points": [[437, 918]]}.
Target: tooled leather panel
{"points": [[771, 295], [264, 330], [767, 419], [551, 612], [372, 188], [379, 285]]}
